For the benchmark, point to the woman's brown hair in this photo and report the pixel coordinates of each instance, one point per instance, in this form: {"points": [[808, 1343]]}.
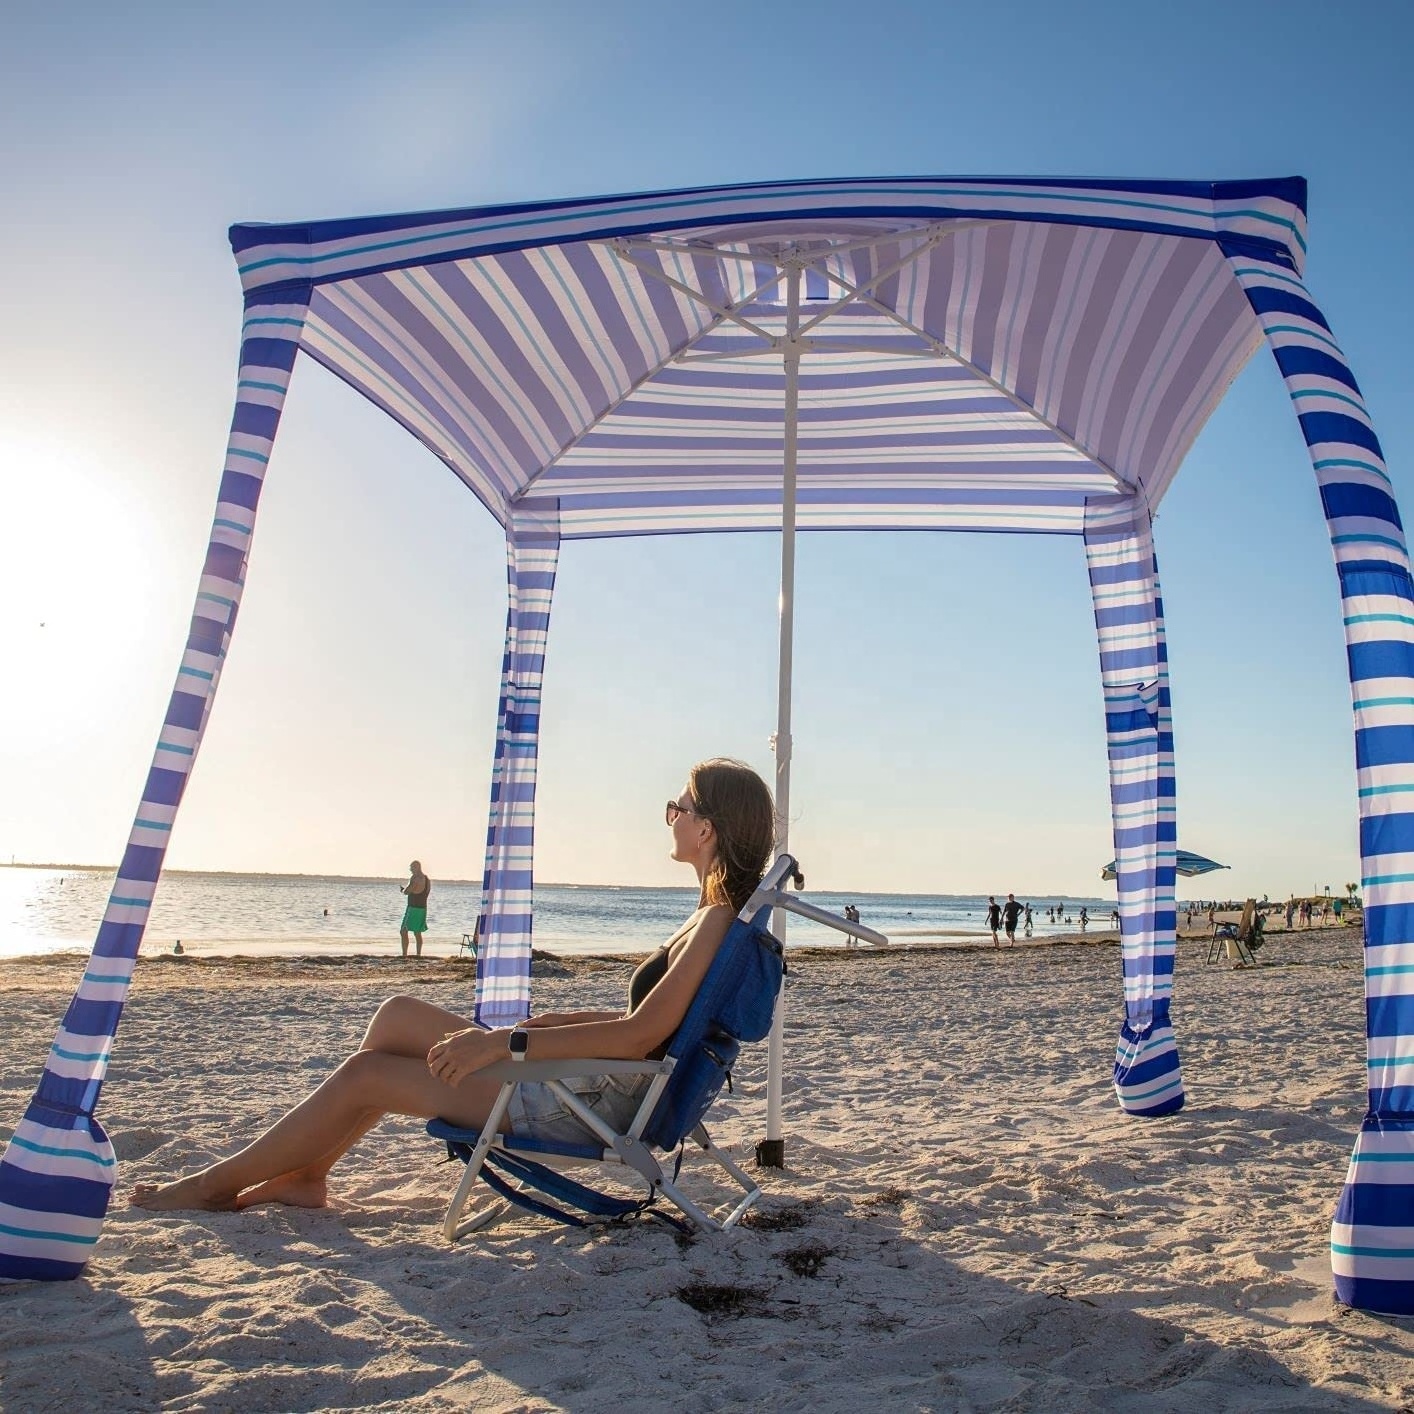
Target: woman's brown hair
{"points": [[737, 802]]}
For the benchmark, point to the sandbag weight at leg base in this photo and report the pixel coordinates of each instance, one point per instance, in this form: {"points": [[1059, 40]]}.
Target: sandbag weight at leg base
{"points": [[771, 1154], [1147, 1078], [1372, 1236]]}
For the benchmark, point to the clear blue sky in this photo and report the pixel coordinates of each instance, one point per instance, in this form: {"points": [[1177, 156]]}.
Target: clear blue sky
{"points": [[949, 733]]}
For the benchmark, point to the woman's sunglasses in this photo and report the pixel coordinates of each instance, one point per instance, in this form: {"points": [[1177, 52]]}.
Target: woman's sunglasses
{"points": [[671, 814]]}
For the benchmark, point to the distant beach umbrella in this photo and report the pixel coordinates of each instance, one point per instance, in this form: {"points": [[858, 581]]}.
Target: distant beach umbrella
{"points": [[1188, 865]]}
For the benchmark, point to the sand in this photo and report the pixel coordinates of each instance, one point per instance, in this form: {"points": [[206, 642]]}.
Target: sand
{"points": [[967, 1221]]}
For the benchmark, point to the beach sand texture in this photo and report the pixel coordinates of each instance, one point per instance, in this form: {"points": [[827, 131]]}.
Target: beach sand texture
{"points": [[968, 1222]]}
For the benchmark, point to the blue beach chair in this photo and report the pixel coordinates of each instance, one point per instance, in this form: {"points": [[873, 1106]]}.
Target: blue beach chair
{"points": [[734, 1004]]}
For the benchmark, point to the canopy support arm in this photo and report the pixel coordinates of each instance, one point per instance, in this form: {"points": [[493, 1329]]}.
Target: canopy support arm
{"points": [[757, 257], [854, 292], [722, 311], [648, 374], [944, 350]]}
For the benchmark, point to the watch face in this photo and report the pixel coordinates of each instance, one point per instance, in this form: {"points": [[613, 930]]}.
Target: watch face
{"points": [[518, 1042]]}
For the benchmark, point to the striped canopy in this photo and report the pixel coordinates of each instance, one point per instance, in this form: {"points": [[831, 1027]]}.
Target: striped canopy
{"points": [[975, 355]]}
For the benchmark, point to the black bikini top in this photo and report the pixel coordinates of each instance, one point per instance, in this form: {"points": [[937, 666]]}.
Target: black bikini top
{"points": [[646, 976]]}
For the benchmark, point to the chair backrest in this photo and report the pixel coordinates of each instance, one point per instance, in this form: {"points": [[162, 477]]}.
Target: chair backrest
{"points": [[735, 1003], [1246, 923]]}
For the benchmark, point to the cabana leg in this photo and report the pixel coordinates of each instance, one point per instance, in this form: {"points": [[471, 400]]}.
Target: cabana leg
{"points": [[503, 952], [1372, 1235], [58, 1171], [1129, 619]]}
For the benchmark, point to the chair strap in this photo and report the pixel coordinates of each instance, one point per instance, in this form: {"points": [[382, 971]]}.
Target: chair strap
{"points": [[521, 1199], [556, 1185], [602, 1205]]}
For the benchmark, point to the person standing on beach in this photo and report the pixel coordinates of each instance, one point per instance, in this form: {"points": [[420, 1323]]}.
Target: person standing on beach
{"points": [[994, 919], [415, 914], [851, 914], [1084, 919], [1027, 921], [1011, 911]]}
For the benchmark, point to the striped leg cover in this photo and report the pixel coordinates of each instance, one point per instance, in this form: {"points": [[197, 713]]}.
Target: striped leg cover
{"points": [[503, 957], [1129, 619], [1372, 1237], [58, 1171]]}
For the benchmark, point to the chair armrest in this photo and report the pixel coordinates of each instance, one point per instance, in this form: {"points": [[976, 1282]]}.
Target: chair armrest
{"points": [[508, 1071]]}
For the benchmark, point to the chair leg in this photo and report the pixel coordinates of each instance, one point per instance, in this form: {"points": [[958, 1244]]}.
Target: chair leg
{"points": [[748, 1185], [629, 1151], [750, 1188], [486, 1216], [453, 1227], [705, 1221]]}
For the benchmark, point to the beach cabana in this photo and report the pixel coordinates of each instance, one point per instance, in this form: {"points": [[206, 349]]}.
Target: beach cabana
{"points": [[1032, 356]]}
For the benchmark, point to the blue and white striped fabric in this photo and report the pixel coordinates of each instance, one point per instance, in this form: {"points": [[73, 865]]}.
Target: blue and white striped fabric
{"points": [[1129, 619], [1006, 351], [58, 1170], [1372, 1237], [503, 956]]}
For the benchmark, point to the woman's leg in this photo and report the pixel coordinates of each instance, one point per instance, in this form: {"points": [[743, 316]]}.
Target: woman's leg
{"points": [[408, 1026], [381, 1078], [403, 1026]]}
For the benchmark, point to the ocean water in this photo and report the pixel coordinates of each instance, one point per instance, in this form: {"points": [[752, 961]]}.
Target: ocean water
{"points": [[45, 910]]}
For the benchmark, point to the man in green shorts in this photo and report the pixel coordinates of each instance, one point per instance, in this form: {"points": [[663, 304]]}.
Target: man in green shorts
{"points": [[415, 915]]}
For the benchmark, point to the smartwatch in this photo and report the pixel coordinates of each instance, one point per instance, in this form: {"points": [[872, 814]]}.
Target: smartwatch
{"points": [[517, 1042]]}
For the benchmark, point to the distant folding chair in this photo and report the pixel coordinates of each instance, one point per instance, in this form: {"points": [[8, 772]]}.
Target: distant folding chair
{"points": [[1242, 938], [734, 1004], [468, 945]]}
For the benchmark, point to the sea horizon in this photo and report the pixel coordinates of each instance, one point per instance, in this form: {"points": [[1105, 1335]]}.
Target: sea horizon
{"points": [[399, 878], [53, 907]]}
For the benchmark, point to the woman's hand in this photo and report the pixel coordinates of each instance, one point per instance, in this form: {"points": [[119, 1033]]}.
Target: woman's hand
{"points": [[461, 1053]]}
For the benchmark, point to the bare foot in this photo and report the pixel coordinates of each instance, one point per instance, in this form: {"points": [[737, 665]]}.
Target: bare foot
{"points": [[295, 1190], [183, 1193]]}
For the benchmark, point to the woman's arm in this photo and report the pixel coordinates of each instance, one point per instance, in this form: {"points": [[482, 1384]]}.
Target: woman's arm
{"points": [[619, 1037], [568, 1018]]}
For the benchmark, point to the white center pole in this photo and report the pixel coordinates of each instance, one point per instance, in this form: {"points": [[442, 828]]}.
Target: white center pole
{"points": [[772, 1152]]}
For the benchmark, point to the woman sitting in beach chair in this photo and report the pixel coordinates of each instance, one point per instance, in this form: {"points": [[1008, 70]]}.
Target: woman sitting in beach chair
{"points": [[417, 1059]]}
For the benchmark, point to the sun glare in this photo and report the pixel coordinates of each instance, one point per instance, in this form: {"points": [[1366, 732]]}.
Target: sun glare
{"points": [[82, 569]]}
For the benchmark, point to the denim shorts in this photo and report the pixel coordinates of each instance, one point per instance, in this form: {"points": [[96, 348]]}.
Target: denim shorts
{"points": [[536, 1112]]}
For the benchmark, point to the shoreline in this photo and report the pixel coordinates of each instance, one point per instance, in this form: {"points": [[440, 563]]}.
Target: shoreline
{"points": [[444, 950], [63, 967]]}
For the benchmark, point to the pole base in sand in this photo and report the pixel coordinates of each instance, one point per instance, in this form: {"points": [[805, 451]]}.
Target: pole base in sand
{"points": [[771, 1154]]}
